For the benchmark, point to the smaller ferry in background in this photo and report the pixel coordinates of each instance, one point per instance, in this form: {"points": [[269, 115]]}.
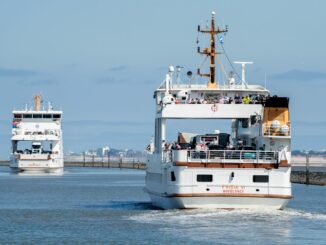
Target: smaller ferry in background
{"points": [[37, 139]]}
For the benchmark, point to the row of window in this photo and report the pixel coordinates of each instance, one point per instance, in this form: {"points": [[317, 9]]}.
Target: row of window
{"points": [[47, 116], [209, 178]]}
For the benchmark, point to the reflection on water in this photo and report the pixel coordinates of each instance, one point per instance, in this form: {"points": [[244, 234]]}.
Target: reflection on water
{"points": [[100, 205], [36, 173], [118, 205]]}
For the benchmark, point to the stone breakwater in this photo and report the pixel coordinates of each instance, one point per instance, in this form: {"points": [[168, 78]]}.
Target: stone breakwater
{"points": [[313, 178], [133, 165]]}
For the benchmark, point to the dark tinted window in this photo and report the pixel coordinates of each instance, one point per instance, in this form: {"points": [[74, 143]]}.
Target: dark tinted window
{"points": [[204, 178], [260, 178], [27, 116], [173, 176], [18, 115], [56, 115], [37, 115], [47, 115]]}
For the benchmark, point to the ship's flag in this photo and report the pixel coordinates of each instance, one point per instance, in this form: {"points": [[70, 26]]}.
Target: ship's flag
{"points": [[220, 38]]}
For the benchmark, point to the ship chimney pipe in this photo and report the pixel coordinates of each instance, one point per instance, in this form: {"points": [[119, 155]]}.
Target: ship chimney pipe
{"points": [[37, 99]]}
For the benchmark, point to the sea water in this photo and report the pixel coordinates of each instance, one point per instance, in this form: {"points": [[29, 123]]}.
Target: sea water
{"points": [[103, 205]]}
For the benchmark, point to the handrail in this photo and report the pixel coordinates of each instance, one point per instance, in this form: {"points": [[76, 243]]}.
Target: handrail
{"points": [[255, 156], [271, 131]]}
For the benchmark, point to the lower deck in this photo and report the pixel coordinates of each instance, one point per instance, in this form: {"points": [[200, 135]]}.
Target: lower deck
{"points": [[215, 185], [37, 162]]}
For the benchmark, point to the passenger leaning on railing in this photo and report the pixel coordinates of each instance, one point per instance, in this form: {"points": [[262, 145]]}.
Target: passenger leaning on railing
{"points": [[201, 146], [237, 99], [246, 100], [176, 146]]}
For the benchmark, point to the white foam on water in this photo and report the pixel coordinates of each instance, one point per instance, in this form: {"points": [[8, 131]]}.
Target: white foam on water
{"points": [[198, 215], [235, 226]]}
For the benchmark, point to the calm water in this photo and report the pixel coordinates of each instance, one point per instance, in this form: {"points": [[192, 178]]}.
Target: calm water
{"points": [[94, 205]]}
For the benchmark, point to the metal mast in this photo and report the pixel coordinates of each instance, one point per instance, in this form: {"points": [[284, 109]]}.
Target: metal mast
{"points": [[211, 51]]}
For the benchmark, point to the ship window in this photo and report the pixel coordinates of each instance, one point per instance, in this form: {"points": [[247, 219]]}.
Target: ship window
{"points": [[37, 115], [204, 178], [27, 116], [56, 116], [260, 178], [18, 115], [47, 115], [173, 176]]}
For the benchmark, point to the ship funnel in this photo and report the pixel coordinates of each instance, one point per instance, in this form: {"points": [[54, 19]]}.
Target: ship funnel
{"points": [[37, 99]]}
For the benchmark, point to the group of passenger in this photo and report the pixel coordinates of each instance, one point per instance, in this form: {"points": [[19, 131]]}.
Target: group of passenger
{"points": [[248, 99], [29, 151], [199, 146]]}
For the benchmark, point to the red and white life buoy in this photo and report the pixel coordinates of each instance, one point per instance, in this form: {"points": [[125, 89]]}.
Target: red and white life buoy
{"points": [[214, 108]]}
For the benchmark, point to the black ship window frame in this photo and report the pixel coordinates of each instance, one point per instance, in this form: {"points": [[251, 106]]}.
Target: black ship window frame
{"points": [[37, 116], [47, 116], [56, 116], [204, 178], [27, 116], [173, 178], [260, 178]]}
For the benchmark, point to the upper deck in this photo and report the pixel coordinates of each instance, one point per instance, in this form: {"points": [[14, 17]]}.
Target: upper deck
{"points": [[191, 101], [36, 124], [220, 88], [32, 115]]}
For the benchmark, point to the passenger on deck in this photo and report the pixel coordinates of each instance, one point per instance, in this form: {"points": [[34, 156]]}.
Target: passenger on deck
{"points": [[246, 100], [237, 99], [164, 145], [251, 101], [221, 100], [201, 146], [176, 146], [229, 146], [226, 99]]}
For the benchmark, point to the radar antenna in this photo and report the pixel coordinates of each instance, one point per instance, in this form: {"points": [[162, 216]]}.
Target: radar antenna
{"points": [[210, 52], [243, 71]]}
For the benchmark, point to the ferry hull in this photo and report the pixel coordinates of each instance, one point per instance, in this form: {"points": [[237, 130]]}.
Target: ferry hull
{"points": [[34, 166], [165, 202]]}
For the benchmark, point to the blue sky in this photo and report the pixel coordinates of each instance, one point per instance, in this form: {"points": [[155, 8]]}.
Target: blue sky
{"points": [[100, 61]]}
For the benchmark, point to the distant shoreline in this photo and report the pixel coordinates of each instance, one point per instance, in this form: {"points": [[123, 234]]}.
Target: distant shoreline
{"points": [[131, 165], [316, 174]]}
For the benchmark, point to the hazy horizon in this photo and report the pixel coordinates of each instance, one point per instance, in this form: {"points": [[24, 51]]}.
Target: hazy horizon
{"points": [[100, 62]]}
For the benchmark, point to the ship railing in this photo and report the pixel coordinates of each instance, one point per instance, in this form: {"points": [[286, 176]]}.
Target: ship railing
{"points": [[284, 130], [35, 156], [225, 156], [167, 157]]}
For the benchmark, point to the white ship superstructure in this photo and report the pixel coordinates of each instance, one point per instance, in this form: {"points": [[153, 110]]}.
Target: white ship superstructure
{"points": [[246, 168], [37, 139]]}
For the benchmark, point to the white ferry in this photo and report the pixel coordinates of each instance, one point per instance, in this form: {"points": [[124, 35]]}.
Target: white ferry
{"points": [[37, 139], [246, 168]]}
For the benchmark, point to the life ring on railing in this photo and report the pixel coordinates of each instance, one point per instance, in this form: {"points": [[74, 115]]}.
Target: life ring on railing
{"points": [[214, 108]]}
